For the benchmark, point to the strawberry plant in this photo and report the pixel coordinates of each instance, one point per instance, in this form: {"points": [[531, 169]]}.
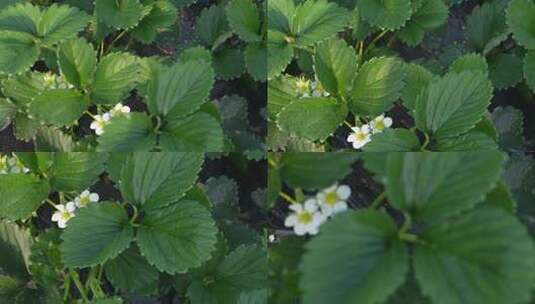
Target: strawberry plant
{"points": [[398, 228], [100, 76], [109, 228], [394, 75]]}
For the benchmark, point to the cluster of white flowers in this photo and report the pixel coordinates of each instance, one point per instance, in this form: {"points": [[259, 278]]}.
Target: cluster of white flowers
{"points": [[12, 165], [65, 212], [306, 218], [363, 134], [307, 88], [101, 121], [53, 81]]}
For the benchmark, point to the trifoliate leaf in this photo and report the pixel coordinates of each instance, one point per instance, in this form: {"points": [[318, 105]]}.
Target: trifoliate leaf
{"points": [[336, 66], [157, 180], [470, 62], [393, 140], [280, 15], [520, 16], [256, 60], [22, 17], [317, 20], [18, 52], [386, 14], [59, 107], [485, 26], [163, 14], [76, 171], [115, 77], [178, 237], [244, 19], [97, 233], [280, 53], [371, 261], [120, 13], [430, 15], [52, 139], [431, 185], [471, 141], [529, 69], [15, 243], [131, 273], [228, 63], [133, 132], [181, 89], [77, 60], [61, 22], [505, 70], [313, 118], [297, 168], [378, 84], [21, 89], [281, 92], [25, 128], [21, 195], [7, 113], [418, 78], [480, 257], [212, 26], [454, 104], [198, 132]]}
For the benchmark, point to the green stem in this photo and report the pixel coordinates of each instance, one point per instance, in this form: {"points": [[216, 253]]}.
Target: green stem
{"points": [[135, 215], [288, 198], [348, 124], [76, 279], [375, 40], [67, 287], [426, 142], [119, 36], [407, 224], [378, 200]]}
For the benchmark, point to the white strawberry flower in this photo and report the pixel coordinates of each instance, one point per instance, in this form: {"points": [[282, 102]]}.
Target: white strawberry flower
{"points": [[318, 90], [303, 87], [119, 110], [49, 80], [360, 136], [16, 166], [100, 122], [305, 218], [334, 199], [4, 167], [85, 198], [380, 123], [63, 214]]}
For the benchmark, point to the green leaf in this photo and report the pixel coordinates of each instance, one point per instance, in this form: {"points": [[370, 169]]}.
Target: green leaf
{"points": [[298, 169], [280, 53], [336, 66], [7, 3], [195, 53], [178, 237], [120, 13], [21, 89], [282, 91], [133, 132], [318, 20], [313, 118], [394, 140], [431, 185], [244, 19], [15, 244], [52, 139], [77, 60], [198, 132], [482, 257], [157, 180], [471, 141], [386, 14], [59, 107], [357, 258], [500, 197], [18, 52], [7, 113], [97, 233], [180, 90], [76, 171], [378, 84], [212, 26], [280, 15], [520, 17], [452, 105], [418, 78], [256, 60], [509, 124], [21, 195], [22, 17], [529, 69], [131, 273], [430, 15], [115, 77], [485, 26], [162, 15], [61, 22], [470, 62], [505, 70], [25, 128], [228, 63]]}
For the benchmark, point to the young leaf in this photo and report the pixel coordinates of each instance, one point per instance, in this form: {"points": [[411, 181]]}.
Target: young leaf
{"points": [[358, 258], [119, 13], [336, 66], [133, 132], [393, 140], [97, 233], [76, 171], [157, 180], [378, 84], [520, 16], [244, 19], [313, 118], [178, 237], [474, 259], [529, 69], [21, 195], [59, 107], [454, 104], [18, 52], [430, 15], [198, 132], [77, 60], [116, 75], [61, 22], [387, 14], [431, 186]]}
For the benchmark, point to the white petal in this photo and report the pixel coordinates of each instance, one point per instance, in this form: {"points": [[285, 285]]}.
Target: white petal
{"points": [[85, 193], [291, 220], [340, 206], [106, 117], [93, 197], [365, 129], [125, 109], [62, 224], [321, 197], [71, 206], [327, 210], [313, 230], [99, 131], [352, 137], [331, 188], [387, 122], [56, 216], [296, 207], [311, 205], [300, 229], [343, 192], [318, 218]]}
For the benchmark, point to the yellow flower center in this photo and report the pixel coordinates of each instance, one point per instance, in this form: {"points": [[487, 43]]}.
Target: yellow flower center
{"points": [[360, 136], [65, 216], [379, 125], [331, 198], [84, 200], [304, 217]]}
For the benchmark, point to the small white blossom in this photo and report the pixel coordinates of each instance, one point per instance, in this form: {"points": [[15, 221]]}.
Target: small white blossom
{"points": [[305, 218], [380, 123], [63, 214], [4, 166], [318, 90], [100, 122], [85, 198], [53, 81], [119, 110], [16, 166], [360, 136], [303, 87], [333, 199]]}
